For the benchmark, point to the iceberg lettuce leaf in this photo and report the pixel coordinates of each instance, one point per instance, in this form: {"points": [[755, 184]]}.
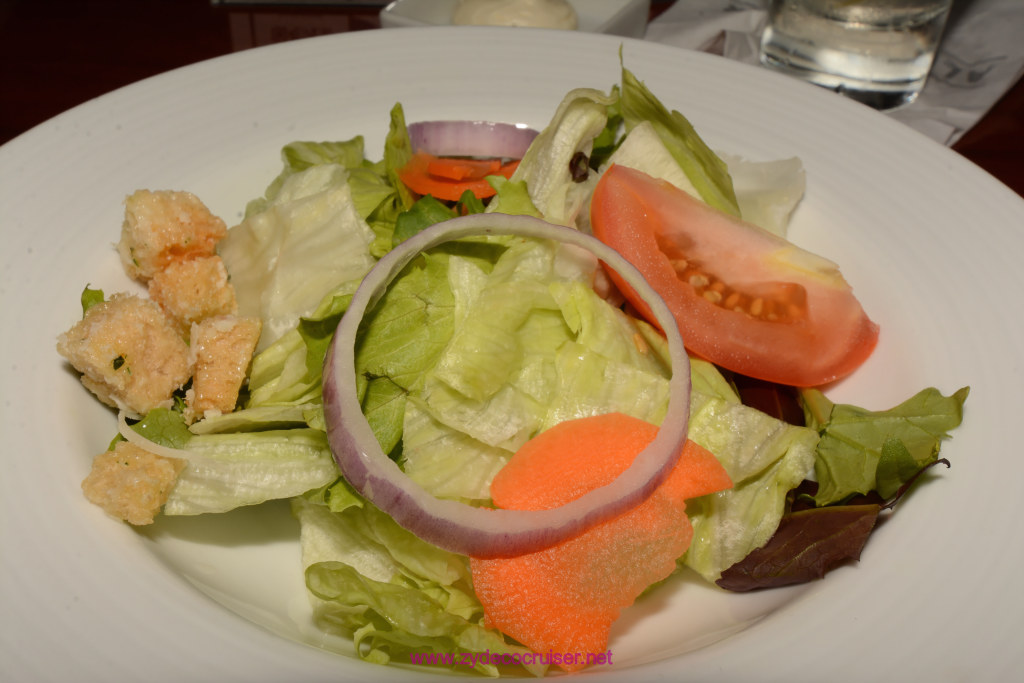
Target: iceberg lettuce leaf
{"points": [[704, 169], [545, 167], [400, 340], [289, 371], [300, 155], [392, 593], [447, 462], [277, 416], [497, 373], [226, 471], [590, 383], [767, 192], [485, 351], [411, 324], [308, 240], [766, 458], [642, 149]]}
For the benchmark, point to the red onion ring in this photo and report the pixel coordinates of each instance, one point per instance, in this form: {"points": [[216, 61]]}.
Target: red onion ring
{"points": [[471, 139], [455, 526]]}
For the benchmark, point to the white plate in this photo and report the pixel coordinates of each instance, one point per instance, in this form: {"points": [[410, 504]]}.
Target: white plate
{"points": [[930, 243]]}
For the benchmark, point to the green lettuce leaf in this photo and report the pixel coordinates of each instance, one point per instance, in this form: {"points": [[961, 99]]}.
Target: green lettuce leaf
{"points": [[495, 377], [447, 462], [392, 593], [308, 240], [767, 192], [91, 297], [591, 383], [243, 465], [863, 450], [532, 345], [397, 152], [608, 140], [765, 458], [289, 371], [402, 337], [164, 426], [229, 470], [300, 155], [642, 149], [484, 351], [277, 416], [545, 168], [372, 192], [280, 374], [513, 197], [704, 169], [607, 367], [425, 212], [226, 471]]}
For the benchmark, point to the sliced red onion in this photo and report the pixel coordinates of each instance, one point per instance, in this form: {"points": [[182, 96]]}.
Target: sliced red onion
{"points": [[455, 526], [471, 139]]}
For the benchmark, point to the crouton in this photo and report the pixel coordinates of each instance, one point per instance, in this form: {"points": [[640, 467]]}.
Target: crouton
{"points": [[129, 353], [164, 226], [191, 290], [222, 349], [131, 483]]}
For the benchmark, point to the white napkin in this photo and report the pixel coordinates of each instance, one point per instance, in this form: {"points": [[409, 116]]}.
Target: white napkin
{"points": [[980, 58]]}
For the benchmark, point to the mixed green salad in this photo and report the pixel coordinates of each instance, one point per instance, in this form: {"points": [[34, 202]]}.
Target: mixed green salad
{"points": [[483, 343]]}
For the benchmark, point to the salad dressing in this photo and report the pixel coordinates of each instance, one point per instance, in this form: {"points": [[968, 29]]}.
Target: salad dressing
{"points": [[558, 14]]}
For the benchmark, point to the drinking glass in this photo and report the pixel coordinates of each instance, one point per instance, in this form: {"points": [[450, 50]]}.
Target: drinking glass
{"points": [[878, 52]]}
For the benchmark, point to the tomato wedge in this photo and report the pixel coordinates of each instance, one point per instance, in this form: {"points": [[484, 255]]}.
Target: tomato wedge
{"points": [[745, 299], [448, 177]]}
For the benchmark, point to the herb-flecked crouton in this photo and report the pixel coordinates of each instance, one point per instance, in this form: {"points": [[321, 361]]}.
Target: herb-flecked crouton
{"points": [[222, 349], [129, 353], [189, 291], [131, 483], [164, 226]]}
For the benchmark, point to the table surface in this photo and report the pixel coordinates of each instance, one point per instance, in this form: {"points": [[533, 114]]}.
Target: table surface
{"points": [[55, 54]]}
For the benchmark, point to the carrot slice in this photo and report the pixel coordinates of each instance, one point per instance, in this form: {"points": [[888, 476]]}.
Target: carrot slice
{"points": [[462, 169], [565, 599], [447, 178]]}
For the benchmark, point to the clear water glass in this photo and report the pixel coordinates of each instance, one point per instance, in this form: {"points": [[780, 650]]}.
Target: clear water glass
{"points": [[878, 52]]}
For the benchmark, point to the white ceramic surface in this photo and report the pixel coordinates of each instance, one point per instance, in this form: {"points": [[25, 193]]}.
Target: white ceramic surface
{"points": [[615, 17], [930, 243]]}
